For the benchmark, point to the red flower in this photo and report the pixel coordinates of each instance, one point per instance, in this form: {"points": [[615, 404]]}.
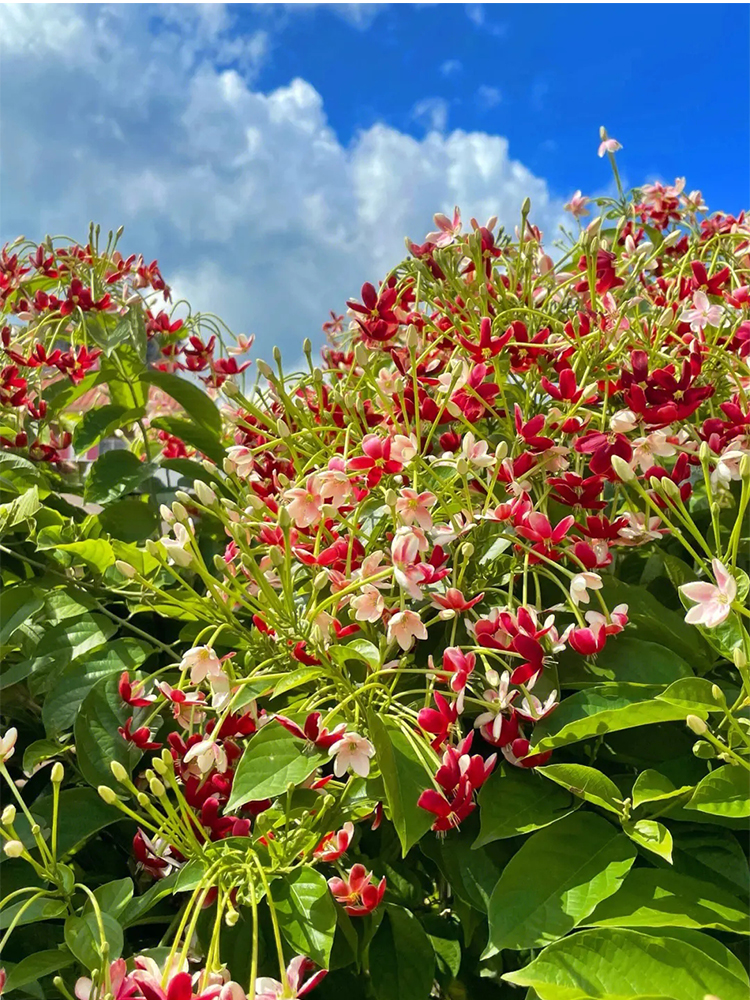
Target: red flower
{"points": [[473, 398], [357, 893], [602, 448], [131, 693], [438, 721], [488, 345], [574, 491], [381, 322], [333, 845], [376, 459], [140, 738]]}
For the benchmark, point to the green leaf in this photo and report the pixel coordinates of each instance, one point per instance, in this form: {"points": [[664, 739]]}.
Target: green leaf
{"points": [[723, 792], [596, 711], [617, 964], [651, 786], [556, 880], [196, 435], [191, 398], [97, 740], [77, 679], [654, 622], [273, 760], [113, 897], [625, 659], [40, 910], [19, 509], [471, 872], [306, 913], [693, 695], [652, 836], [586, 783], [514, 801], [95, 552], [141, 905], [74, 637], [83, 937], [713, 855], [114, 474], [445, 938], [131, 519], [359, 649], [405, 777], [36, 966], [96, 424], [62, 604], [39, 751], [402, 959], [651, 897], [17, 605]]}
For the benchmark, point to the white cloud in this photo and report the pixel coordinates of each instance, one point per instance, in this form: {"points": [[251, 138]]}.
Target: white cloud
{"points": [[477, 14], [488, 97], [451, 67], [254, 207], [431, 112]]}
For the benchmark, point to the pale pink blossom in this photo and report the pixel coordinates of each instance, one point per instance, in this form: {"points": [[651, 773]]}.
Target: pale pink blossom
{"points": [[404, 449], [201, 661], [712, 602], [368, 606], [702, 314], [413, 507], [640, 529], [267, 988], [608, 146], [352, 751], [623, 421], [305, 504], [476, 452], [727, 468], [448, 229], [242, 460], [336, 486], [655, 445], [577, 205], [533, 709], [405, 627], [581, 584], [243, 344], [208, 755], [178, 548]]}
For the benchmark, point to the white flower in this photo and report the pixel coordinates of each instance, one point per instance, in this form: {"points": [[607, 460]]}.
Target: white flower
{"points": [[353, 751], [713, 603], [207, 755], [178, 548], [405, 627], [241, 459], [201, 661], [476, 452], [8, 744], [581, 584], [369, 605], [702, 314], [655, 445]]}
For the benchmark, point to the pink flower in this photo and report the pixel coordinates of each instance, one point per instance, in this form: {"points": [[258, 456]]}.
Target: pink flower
{"points": [[713, 603], [369, 605], [271, 989], [608, 146], [122, 985], [333, 845], [243, 344], [304, 505], [405, 627], [207, 755], [453, 602], [414, 507], [476, 452], [577, 205], [357, 893], [702, 314], [448, 230], [242, 459], [202, 662], [352, 751]]}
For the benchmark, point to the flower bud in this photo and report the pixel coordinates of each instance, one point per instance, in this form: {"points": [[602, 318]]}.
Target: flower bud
{"points": [[320, 580], [594, 226], [740, 660], [182, 496], [317, 376], [159, 766], [501, 451], [157, 788], [230, 389], [204, 493], [179, 511], [13, 848], [467, 550], [219, 563], [9, 815], [307, 346], [718, 694], [265, 369], [671, 489], [462, 466], [526, 206], [285, 519], [696, 724], [118, 772], [276, 556], [390, 498], [277, 354], [704, 453], [231, 917], [166, 514], [58, 773], [745, 467], [622, 469], [125, 568], [361, 355], [142, 800], [412, 337], [282, 428], [107, 795]]}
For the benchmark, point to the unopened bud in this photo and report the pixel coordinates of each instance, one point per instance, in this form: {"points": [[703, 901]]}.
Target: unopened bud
{"points": [[671, 489], [118, 772], [282, 429], [157, 788], [13, 848], [9, 815], [264, 368], [179, 511], [219, 563], [717, 693], [142, 800], [696, 724], [622, 469], [390, 498], [204, 493], [231, 917], [320, 580], [307, 347], [412, 337], [230, 389], [501, 451], [467, 550], [739, 657], [745, 467], [704, 453], [159, 766], [125, 568], [277, 355], [284, 480], [166, 514], [673, 238], [462, 466], [276, 556], [285, 518], [152, 548], [182, 496], [107, 795], [317, 376], [361, 355], [58, 773], [594, 226], [526, 206]]}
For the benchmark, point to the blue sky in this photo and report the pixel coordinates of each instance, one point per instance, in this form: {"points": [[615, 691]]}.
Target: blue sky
{"points": [[273, 157]]}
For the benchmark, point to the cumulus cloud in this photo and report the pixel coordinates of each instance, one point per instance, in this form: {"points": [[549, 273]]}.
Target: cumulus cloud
{"points": [[488, 97], [256, 210]]}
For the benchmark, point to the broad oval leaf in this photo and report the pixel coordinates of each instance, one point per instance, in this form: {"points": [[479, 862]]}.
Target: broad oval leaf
{"points": [[471, 872], [652, 836], [723, 792], [83, 937], [197, 405], [114, 474], [97, 740], [586, 783], [196, 435], [402, 959], [556, 880], [273, 760], [652, 786], [514, 801], [627, 659], [613, 962], [692, 694], [306, 913], [600, 710], [43, 963], [651, 897], [96, 424]]}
